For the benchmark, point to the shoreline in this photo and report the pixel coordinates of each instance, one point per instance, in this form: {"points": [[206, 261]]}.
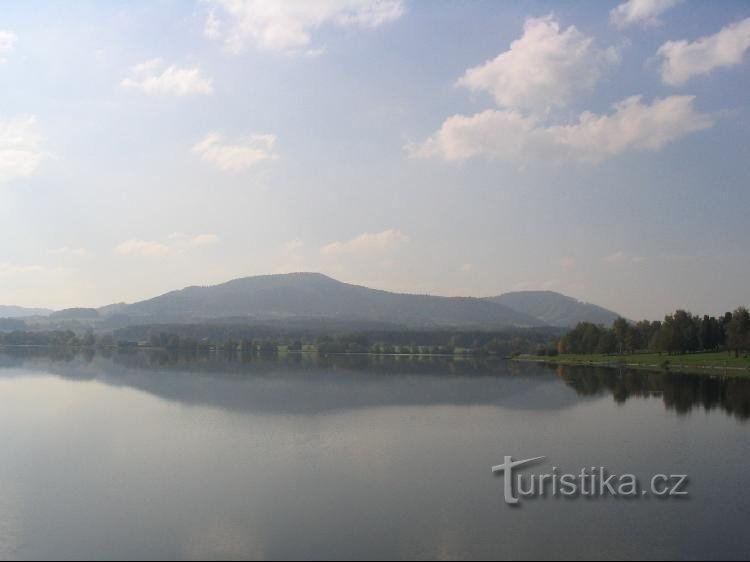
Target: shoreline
{"points": [[739, 367]]}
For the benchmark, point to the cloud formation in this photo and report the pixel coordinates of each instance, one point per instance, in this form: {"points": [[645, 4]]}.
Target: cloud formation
{"points": [[238, 155], [681, 60], [179, 243], [7, 42], [20, 148], [270, 25], [640, 12], [156, 78], [543, 69], [509, 135], [367, 242]]}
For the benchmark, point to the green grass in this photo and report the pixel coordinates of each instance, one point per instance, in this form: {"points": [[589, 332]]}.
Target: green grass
{"points": [[692, 363]]}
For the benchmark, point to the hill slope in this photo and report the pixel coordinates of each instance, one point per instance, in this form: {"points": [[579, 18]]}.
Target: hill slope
{"points": [[21, 312], [312, 295], [555, 309]]}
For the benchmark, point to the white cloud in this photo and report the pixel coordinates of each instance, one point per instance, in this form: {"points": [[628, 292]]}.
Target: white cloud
{"points": [[632, 126], [492, 133], [154, 77], [178, 243], [682, 60], [142, 248], [20, 148], [204, 240], [212, 29], [7, 42], [619, 258], [641, 12], [543, 69], [366, 242], [271, 25], [508, 135], [236, 156]]}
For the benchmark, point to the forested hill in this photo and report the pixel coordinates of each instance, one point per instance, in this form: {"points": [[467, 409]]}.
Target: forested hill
{"points": [[554, 309], [314, 295]]}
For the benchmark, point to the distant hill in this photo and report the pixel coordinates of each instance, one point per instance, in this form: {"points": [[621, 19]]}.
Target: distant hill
{"points": [[312, 295], [112, 309], [555, 309], [21, 312], [76, 314]]}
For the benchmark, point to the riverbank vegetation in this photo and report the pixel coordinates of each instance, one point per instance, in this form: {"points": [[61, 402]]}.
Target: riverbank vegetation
{"points": [[682, 341], [271, 340], [679, 333], [719, 362]]}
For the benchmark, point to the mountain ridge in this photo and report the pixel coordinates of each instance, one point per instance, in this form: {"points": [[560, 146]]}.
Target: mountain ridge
{"points": [[295, 295], [312, 297], [555, 309], [22, 312]]}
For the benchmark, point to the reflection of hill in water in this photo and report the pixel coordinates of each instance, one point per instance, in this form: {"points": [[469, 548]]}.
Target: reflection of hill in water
{"points": [[306, 384], [680, 392]]}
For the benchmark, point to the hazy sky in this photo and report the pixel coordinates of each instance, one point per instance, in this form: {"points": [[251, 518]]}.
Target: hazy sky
{"points": [[599, 149]]}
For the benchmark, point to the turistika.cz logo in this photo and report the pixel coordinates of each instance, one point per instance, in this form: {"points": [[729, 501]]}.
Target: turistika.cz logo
{"points": [[589, 482]]}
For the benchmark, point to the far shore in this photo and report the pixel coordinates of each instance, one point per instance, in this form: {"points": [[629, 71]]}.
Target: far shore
{"points": [[718, 363]]}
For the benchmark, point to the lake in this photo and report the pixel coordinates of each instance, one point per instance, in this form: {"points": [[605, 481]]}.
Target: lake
{"points": [[157, 456]]}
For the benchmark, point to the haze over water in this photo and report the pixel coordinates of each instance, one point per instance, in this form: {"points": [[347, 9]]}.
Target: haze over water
{"points": [[157, 456]]}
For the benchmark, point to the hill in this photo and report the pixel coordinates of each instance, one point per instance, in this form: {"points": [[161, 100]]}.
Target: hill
{"points": [[313, 295], [76, 314], [555, 309], [21, 312]]}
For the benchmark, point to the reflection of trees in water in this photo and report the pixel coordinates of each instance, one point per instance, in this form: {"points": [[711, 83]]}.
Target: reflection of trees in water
{"points": [[307, 384], [256, 364], [680, 392]]}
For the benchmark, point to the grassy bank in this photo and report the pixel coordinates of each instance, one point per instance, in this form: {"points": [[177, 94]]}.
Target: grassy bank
{"points": [[705, 363]]}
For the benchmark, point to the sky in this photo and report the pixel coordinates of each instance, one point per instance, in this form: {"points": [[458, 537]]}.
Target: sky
{"points": [[600, 149]]}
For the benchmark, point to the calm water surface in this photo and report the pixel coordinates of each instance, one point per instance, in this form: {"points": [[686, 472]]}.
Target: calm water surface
{"points": [[151, 456]]}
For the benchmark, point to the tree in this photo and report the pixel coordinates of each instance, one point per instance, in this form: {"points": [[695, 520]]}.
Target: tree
{"points": [[710, 333], [620, 328], [738, 331], [688, 329], [88, 339], [666, 339], [608, 342]]}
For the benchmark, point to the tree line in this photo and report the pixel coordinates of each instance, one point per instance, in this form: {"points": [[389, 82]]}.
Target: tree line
{"points": [[269, 340], [380, 342], [681, 332]]}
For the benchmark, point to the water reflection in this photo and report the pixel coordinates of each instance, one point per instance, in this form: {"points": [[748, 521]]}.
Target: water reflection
{"points": [[680, 392], [306, 384], [162, 456], [218, 362]]}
